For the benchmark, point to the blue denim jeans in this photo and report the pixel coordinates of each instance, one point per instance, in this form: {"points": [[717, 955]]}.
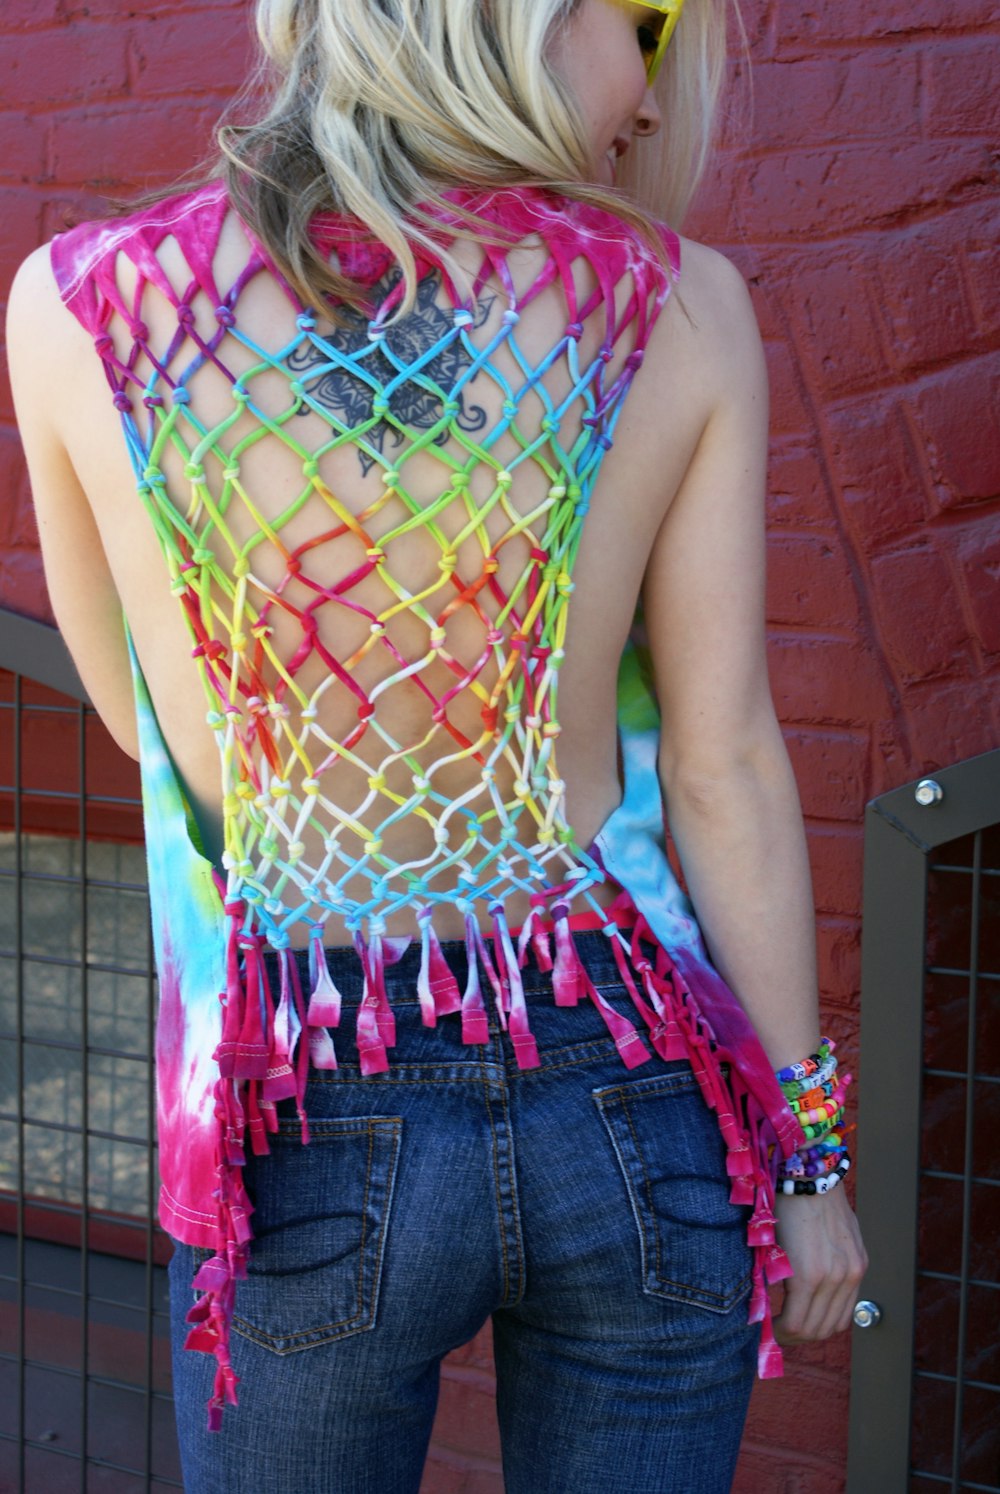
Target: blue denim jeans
{"points": [[581, 1206]]}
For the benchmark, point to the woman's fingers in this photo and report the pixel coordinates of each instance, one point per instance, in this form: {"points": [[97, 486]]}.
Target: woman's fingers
{"points": [[821, 1237]]}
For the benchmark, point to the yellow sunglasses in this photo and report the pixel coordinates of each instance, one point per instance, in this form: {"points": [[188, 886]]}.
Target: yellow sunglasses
{"points": [[656, 51]]}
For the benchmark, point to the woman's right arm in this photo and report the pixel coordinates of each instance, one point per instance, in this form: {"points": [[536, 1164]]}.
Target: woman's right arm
{"points": [[45, 344], [731, 796]]}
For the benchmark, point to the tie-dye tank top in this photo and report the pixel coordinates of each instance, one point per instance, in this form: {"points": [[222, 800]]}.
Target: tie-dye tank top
{"points": [[311, 812]]}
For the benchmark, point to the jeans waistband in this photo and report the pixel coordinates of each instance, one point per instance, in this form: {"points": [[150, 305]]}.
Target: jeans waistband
{"points": [[592, 946]]}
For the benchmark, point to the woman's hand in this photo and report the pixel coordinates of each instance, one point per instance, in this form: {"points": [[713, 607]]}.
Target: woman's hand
{"points": [[821, 1238]]}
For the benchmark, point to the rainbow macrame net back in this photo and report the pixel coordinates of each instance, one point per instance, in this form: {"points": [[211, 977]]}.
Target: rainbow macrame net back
{"points": [[381, 648]]}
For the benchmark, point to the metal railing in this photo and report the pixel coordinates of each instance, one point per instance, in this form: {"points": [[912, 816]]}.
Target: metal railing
{"points": [[925, 1375], [84, 1353]]}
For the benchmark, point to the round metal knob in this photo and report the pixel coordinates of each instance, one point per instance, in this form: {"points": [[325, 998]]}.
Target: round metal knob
{"points": [[928, 791], [867, 1315]]}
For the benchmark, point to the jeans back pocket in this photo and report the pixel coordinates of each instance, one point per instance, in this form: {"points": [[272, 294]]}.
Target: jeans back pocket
{"points": [[692, 1240], [320, 1221]]}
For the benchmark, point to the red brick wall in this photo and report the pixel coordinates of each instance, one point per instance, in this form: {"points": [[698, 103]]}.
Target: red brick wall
{"points": [[860, 200]]}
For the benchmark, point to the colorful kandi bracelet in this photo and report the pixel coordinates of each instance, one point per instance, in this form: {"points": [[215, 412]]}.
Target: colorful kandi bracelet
{"points": [[815, 1093]]}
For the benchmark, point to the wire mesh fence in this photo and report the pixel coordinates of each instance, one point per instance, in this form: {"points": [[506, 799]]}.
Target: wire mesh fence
{"points": [[956, 1397], [84, 1349]]}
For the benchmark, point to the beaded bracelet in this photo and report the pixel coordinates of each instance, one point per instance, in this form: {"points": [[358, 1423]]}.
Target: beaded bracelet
{"points": [[822, 1113], [818, 1185], [832, 1143], [818, 1130], [815, 1094], [794, 1087], [822, 1079], [797, 1166], [802, 1070]]}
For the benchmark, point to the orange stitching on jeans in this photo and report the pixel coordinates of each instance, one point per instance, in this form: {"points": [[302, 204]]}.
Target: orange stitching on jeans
{"points": [[496, 1182], [513, 1195], [649, 1196]]}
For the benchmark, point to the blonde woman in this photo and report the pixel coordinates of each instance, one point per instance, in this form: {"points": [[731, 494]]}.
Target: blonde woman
{"points": [[391, 423]]}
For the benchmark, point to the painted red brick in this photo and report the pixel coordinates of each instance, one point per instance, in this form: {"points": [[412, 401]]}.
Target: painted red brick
{"points": [[798, 485], [951, 720], [877, 467], [709, 217], [777, 1402], [120, 144], [979, 571], [840, 1022], [835, 854], [832, 768], [838, 96], [22, 585], [854, 21], [919, 614], [824, 681], [818, 192], [789, 415], [63, 65], [111, 10], [810, 1473], [839, 953], [22, 149], [17, 519], [924, 307], [953, 416], [442, 1477], [960, 80], [466, 1415], [19, 15], [978, 253], [185, 54], [809, 584], [760, 1470], [835, 326], [20, 225]]}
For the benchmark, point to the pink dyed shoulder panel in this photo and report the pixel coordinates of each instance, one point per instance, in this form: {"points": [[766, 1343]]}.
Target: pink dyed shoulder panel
{"points": [[83, 258]]}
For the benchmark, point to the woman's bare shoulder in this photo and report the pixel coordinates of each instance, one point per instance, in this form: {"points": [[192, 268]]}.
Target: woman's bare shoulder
{"points": [[34, 294], [713, 296], [44, 338], [708, 280], [708, 341]]}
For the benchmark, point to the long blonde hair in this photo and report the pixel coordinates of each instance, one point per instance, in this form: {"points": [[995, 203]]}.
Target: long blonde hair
{"points": [[378, 107]]}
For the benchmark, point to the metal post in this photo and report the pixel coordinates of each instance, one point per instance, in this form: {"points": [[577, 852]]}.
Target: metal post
{"points": [[892, 981]]}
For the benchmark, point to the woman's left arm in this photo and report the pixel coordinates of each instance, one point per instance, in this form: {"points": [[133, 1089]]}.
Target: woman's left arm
{"points": [[45, 344]]}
